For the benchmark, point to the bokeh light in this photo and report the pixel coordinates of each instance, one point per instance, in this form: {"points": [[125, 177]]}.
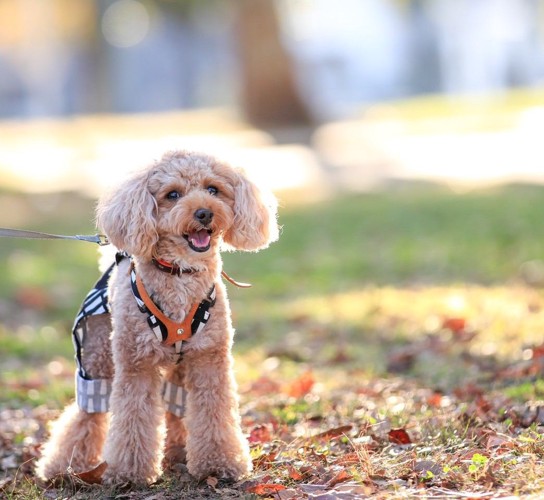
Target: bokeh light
{"points": [[125, 23]]}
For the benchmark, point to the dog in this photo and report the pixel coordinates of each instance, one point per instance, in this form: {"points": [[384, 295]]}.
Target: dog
{"points": [[155, 386]]}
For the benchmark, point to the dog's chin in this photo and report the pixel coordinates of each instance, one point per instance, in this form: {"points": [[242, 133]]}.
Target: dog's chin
{"points": [[199, 241]]}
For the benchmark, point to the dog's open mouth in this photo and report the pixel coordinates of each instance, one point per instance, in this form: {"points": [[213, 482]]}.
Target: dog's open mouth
{"points": [[199, 241]]}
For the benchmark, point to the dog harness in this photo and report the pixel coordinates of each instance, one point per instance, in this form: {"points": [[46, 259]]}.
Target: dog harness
{"points": [[167, 331], [92, 395]]}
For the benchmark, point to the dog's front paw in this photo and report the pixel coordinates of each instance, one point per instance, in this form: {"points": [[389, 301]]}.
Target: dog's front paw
{"points": [[116, 476], [221, 467]]}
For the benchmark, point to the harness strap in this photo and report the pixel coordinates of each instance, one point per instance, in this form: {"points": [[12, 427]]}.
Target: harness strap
{"points": [[96, 302], [176, 331]]}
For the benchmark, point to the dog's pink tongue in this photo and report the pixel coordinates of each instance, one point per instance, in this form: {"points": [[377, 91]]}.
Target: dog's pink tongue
{"points": [[200, 239]]}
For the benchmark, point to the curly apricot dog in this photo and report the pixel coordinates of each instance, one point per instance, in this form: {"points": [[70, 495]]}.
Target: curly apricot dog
{"points": [[166, 349]]}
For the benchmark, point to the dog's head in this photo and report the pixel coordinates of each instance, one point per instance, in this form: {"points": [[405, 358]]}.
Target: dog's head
{"points": [[185, 208]]}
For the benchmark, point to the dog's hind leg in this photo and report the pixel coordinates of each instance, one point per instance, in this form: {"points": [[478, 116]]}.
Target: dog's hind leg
{"points": [[75, 443], [174, 396], [78, 434]]}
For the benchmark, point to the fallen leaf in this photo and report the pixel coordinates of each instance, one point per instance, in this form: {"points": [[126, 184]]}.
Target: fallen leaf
{"points": [[260, 434], [287, 494], [454, 324], [265, 460], [93, 476], [399, 436], [339, 478], [435, 399], [263, 489], [499, 443], [333, 433], [301, 386], [537, 351], [294, 473]]}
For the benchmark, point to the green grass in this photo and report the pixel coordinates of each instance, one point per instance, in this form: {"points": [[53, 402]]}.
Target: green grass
{"points": [[405, 236], [402, 236], [460, 113]]}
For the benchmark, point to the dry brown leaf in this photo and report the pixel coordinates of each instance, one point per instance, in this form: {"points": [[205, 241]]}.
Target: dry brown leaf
{"points": [[260, 434], [341, 477], [294, 473], [93, 476], [263, 489], [333, 433], [265, 460], [454, 324], [435, 400], [399, 436], [301, 386]]}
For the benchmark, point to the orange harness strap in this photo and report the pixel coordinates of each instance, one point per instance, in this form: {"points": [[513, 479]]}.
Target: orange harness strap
{"points": [[176, 331]]}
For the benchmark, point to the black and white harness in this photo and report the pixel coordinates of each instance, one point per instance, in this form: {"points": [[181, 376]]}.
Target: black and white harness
{"points": [[92, 395]]}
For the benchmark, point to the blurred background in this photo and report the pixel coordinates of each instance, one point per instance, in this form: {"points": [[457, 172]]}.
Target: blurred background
{"points": [[402, 137], [89, 89]]}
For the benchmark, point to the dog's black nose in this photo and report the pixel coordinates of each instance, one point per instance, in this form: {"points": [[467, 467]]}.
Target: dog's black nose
{"points": [[204, 216]]}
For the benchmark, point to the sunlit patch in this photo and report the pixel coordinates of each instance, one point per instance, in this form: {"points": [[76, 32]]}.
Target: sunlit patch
{"points": [[125, 23], [270, 364], [456, 303]]}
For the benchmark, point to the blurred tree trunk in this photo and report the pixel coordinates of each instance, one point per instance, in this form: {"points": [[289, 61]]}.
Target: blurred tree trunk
{"points": [[269, 92]]}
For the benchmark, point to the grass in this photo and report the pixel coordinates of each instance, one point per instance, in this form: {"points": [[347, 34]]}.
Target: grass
{"points": [[414, 309], [476, 112]]}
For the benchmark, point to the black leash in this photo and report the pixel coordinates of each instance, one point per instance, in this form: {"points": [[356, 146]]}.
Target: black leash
{"points": [[100, 239]]}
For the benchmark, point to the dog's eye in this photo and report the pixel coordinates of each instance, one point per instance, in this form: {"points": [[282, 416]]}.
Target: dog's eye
{"points": [[173, 195], [212, 190]]}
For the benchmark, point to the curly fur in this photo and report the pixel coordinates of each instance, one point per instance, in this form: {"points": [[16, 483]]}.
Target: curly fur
{"points": [[142, 219]]}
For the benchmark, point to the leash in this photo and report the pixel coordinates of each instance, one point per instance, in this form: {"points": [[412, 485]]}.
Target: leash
{"points": [[100, 239]]}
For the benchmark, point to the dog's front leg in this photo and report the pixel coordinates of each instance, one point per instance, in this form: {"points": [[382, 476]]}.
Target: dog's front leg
{"points": [[133, 445], [215, 443]]}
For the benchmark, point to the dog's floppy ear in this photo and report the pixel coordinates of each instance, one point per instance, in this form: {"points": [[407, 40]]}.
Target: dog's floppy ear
{"points": [[127, 216], [255, 225]]}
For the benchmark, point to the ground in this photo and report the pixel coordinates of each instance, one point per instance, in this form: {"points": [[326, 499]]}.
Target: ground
{"points": [[390, 347]]}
